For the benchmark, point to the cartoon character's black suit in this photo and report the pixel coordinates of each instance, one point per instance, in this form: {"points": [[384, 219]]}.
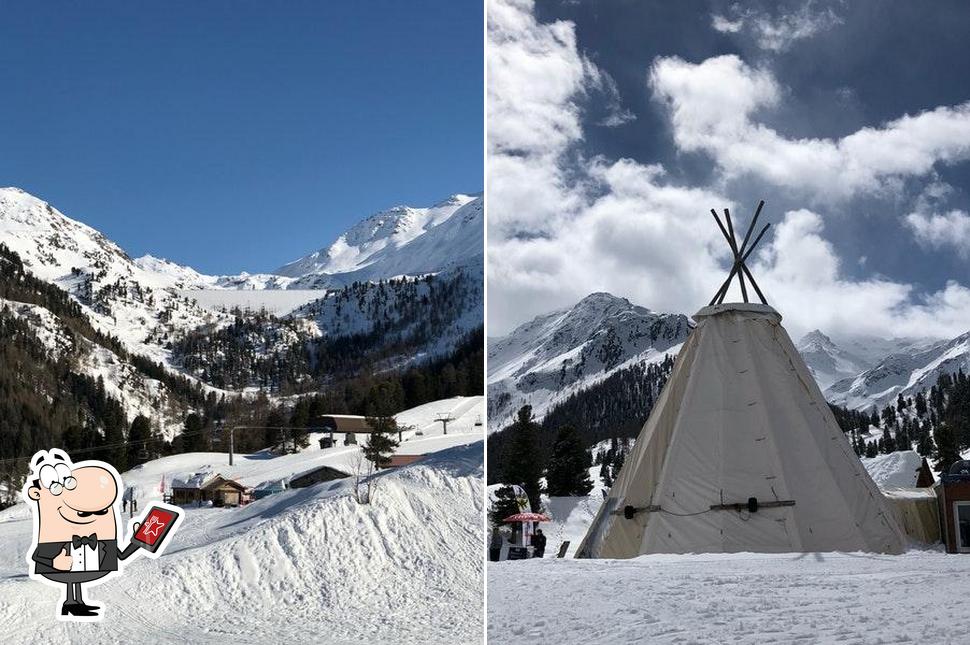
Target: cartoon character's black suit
{"points": [[108, 556]]}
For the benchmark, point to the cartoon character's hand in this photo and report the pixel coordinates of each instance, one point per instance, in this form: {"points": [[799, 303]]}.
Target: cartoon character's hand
{"points": [[134, 527], [64, 561]]}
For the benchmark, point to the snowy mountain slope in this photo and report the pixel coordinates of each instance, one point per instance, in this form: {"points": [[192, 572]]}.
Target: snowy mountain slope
{"points": [[184, 277], [150, 304], [298, 565], [437, 311], [400, 241], [831, 360], [905, 373], [543, 361], [827, 361], [122, 298]]}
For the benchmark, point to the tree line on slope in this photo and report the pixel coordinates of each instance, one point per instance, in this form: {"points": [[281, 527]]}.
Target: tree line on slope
{"points": [[45, 402], [935, 424], [615, 407], [380, 324]]}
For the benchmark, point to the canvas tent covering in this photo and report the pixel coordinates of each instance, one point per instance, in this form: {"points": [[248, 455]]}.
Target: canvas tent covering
{"points": [[741, 417], [917, 512]]}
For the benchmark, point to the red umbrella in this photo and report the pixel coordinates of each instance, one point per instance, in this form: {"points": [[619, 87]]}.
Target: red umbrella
{"points": [[527, 517]]}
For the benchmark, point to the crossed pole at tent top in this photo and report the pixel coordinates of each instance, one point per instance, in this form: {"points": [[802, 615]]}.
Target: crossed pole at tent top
{"points": [[741, 254]]}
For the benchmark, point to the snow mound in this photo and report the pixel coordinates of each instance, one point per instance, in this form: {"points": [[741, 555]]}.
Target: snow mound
{"points": [[897, 469], [306, 565], [415, 552]]}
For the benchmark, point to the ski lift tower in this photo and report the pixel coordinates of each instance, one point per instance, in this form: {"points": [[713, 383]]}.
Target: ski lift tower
{"points": [[444, 418]]}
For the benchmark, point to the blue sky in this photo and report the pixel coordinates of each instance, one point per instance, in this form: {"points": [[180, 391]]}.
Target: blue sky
{"points": [[851, 119], [239, 135]]}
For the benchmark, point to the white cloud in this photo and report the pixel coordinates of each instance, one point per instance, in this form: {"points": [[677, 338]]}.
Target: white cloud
{"points": [[535, 77], [799, 267], [951, 229], [713, 105], [561, 226], [726, 26], [777, 33], [536, 81]]}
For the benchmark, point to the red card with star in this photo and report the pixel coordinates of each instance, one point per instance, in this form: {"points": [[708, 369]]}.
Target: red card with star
{"points": [[155, 528]]}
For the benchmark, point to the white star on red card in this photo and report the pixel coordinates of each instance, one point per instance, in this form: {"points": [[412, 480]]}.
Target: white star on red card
{"points": [[153, 527]]}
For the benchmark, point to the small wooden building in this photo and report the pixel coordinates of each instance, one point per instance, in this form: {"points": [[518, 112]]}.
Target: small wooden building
{"points": [[344, 423], [200, 487], [953, 493], [316, 476]]}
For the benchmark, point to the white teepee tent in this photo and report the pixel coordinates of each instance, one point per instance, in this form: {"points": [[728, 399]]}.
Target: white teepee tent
{"points": [[741, 452]]}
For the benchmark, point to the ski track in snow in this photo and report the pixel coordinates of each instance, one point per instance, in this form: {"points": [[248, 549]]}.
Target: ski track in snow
{"points": [[854, 598]]}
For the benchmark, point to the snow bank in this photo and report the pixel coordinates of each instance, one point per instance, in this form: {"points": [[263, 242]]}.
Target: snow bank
{"points": [[307, 565], [897, 469]]}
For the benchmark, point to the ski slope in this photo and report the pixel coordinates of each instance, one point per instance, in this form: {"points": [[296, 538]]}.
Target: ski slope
{"points": [[917, 597], [303, 565]]}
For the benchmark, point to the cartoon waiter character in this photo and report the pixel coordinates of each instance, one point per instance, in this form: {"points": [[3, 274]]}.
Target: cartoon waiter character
{"points": [[76, 517]]}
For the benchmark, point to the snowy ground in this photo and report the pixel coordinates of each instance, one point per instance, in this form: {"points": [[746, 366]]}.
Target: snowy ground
{"points": [[918, 597], [305, 565]]}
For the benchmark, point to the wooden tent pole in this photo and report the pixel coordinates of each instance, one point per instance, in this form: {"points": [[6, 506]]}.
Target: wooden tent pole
{"points": [[754, 220], [741, 255], [737, 256]]}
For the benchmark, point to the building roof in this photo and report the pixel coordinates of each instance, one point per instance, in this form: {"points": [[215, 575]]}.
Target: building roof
{"points": [[204, 480]]}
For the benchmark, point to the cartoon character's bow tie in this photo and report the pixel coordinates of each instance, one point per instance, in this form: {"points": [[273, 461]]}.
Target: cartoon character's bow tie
{"points": [[90, 540]]}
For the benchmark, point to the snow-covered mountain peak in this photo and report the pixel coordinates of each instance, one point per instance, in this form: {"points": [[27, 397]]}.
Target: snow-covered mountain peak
{"points": [[815, 338], [458, 199], [399, 241], [904, 372], [544, 360]]}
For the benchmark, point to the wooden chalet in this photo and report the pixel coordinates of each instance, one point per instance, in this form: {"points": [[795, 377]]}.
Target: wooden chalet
{"points": [[316, 476], [200, 487]]}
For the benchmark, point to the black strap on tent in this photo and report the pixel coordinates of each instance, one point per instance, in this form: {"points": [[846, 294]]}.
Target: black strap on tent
{"points": [[751, 506]]}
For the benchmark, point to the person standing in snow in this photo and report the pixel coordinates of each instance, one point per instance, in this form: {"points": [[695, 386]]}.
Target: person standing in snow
{"points": [[538, 544], [495, 548]]}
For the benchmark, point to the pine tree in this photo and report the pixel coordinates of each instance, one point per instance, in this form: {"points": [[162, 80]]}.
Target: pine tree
{"points": [[381, 442], [872, 449], [506, 503], [920, 404], [299, 420], [887, 443], [618, 462], [605, 475], [522, 465], [139, 438], [924, 443], [956, 411], [947, 448], [192, 439], [567, 473]]}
